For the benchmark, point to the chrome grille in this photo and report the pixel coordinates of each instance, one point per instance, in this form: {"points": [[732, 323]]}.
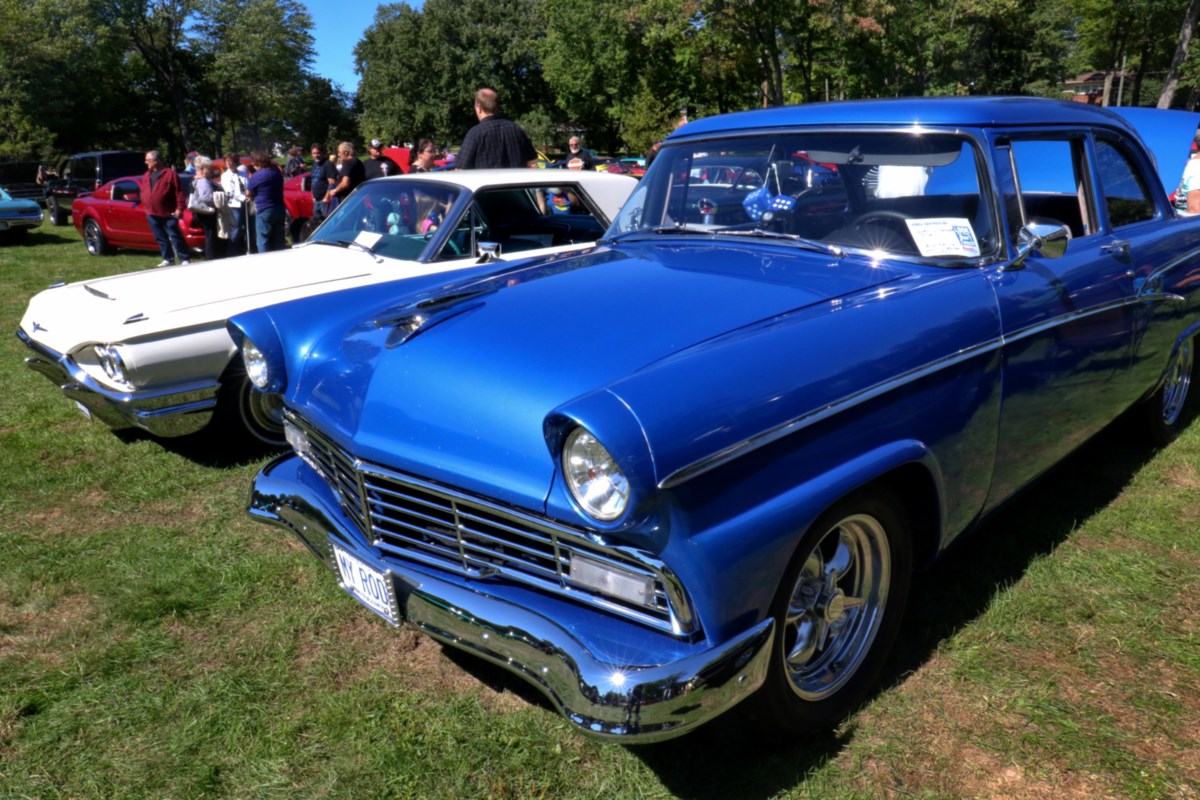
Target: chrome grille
{"points": [[419, 521]]}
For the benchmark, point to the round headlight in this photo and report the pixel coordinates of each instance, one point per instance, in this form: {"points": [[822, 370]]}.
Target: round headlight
{"points": [[595, 480], [255, 363]]}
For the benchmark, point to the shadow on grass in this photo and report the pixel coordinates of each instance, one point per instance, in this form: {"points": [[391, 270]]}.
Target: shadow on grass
{"points": [[206, 448]]}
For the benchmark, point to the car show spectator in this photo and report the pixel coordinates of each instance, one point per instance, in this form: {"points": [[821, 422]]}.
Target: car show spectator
{"points": [[324, 175], [424, 156], [379, 165], [350, 174], [265, 188], [163, 198], [1187, 196], [578, 158], [495, 141], [204, 211], [295, 163], [233, 183]]}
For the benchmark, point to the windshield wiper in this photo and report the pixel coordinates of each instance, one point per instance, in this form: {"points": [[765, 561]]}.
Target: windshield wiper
{"points": [[807, 244], [681, 228], [348, 244]]}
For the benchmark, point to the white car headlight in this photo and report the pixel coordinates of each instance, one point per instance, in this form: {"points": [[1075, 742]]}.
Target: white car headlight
{"points": [[595, 480], [255, 363], [111, 362]]}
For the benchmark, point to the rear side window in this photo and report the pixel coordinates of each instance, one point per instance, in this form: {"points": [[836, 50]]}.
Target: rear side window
{"points": [[1052, 179], [1125, 195]]}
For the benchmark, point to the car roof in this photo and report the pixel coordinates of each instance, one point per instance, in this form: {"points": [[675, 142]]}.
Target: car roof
{"points": [[894, 112], [522, 176]]}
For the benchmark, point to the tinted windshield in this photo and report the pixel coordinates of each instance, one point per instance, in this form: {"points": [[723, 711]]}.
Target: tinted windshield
{"points": [[908, 195], [397, 219]]}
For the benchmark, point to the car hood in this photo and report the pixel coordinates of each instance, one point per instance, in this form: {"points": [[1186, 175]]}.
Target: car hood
{"points": [[140, 305], [465, 398]]}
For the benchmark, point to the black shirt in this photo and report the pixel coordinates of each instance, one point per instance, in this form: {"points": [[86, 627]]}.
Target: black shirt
{"points": [[321, 174], [495, 142], [380, 167]]}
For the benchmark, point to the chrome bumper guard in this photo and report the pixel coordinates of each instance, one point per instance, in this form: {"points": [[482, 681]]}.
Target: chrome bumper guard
{"points": [[177, 411], [632, 703]]}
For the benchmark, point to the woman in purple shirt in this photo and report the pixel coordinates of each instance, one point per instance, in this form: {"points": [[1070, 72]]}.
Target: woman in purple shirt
{"points": [[266, 187]]}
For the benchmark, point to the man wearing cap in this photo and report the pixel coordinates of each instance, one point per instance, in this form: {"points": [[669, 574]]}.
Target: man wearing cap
{"points": [[379, 165], [189, 166]]}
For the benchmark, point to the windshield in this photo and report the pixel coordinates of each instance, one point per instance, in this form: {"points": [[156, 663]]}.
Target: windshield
{"points": [[393, 218], [906, 195]]}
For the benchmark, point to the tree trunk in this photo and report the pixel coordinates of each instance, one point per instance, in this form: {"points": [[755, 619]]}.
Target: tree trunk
{"points": [[1181, 52]]}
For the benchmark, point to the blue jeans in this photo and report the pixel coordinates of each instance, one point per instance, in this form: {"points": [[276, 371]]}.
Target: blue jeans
{"points": [[237, 234], [165, 231], [270, 230]]}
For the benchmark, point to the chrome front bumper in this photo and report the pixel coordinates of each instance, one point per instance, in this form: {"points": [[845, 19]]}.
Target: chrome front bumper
{"points": [[174, 411], [648, 701]]}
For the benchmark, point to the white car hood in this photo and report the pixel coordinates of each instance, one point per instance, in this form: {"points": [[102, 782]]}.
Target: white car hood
{"points": [[143, 305]]}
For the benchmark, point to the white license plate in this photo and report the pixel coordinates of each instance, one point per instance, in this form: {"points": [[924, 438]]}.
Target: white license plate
{"points": [[87, 412], [367, 585]]}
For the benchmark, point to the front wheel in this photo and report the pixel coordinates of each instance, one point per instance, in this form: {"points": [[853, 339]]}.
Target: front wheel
{"points": [[837, 613], [246, 413], [1169, 410]]}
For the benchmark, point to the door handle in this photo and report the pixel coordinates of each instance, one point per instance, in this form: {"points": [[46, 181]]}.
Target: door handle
{"points": [[1117, 247]]}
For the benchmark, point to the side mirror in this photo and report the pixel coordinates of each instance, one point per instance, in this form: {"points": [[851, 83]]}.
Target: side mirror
{"points": [[488, 251], [306, 183], [1046, 239]]}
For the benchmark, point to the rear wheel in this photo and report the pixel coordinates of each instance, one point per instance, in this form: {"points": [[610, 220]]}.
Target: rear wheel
{"points": [[1169, 410], [837, 613], [247, 413], [94, 239]]}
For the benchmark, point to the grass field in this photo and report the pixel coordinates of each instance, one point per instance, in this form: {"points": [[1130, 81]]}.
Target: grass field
{"points": [[156, 643]]}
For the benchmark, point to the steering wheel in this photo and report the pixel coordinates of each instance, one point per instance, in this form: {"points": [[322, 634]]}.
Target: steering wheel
{"points": [[881, 214]]}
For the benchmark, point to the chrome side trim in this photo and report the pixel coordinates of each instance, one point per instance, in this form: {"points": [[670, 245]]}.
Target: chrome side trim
{"points": [[724, 456]]}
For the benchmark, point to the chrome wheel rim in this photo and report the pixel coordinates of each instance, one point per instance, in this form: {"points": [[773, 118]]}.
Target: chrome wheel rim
{"points": [[1177, 384], [91, 236], [262, 414], [836, 607]]}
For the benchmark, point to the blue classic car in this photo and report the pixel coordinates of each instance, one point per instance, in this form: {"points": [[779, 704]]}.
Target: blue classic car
{"points": [[697, 465], [17, 216]]}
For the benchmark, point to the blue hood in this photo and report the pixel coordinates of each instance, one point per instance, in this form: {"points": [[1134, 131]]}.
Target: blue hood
{"points": [[463, 400]]}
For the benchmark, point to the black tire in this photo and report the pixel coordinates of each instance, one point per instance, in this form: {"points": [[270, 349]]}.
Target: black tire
{"points": [[54, 214], [246, 413], [837, 613], [1171, 409], [93, 239]]}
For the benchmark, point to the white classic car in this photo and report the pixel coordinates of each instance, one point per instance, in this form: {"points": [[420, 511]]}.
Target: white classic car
{"points": [[150, 350]]}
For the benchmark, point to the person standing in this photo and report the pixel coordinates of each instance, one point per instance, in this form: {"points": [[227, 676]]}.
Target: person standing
{"points": [[424, 156], [295, 163], [495, 141], [204, 213], [164, 201], [578, 157], [351, 174], [234, 186], [265, 188], [324, 175], [379, 165]]}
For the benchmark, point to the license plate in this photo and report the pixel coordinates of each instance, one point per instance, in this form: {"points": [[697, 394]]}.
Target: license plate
{"points": [[367, 585], [87, 412]]}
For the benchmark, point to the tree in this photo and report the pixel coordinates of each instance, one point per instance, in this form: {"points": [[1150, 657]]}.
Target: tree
{"points": [[1171, 83]]}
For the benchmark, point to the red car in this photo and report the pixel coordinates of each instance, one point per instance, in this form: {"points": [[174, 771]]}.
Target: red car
{"points": [[113, 216]]}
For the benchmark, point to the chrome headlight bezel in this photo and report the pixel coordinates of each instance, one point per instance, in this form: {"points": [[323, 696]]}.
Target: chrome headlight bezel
{"points": [[593, 477], [109, 358]]}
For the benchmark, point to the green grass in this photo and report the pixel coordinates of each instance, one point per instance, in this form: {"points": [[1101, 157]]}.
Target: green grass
{"points": [[156, 643]]}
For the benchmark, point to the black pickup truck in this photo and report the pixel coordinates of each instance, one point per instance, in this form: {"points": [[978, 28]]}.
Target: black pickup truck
{"points": [[85, 172]]}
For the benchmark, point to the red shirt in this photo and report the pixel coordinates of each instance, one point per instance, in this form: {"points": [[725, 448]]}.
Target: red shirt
{"points": [[163, 196]]}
